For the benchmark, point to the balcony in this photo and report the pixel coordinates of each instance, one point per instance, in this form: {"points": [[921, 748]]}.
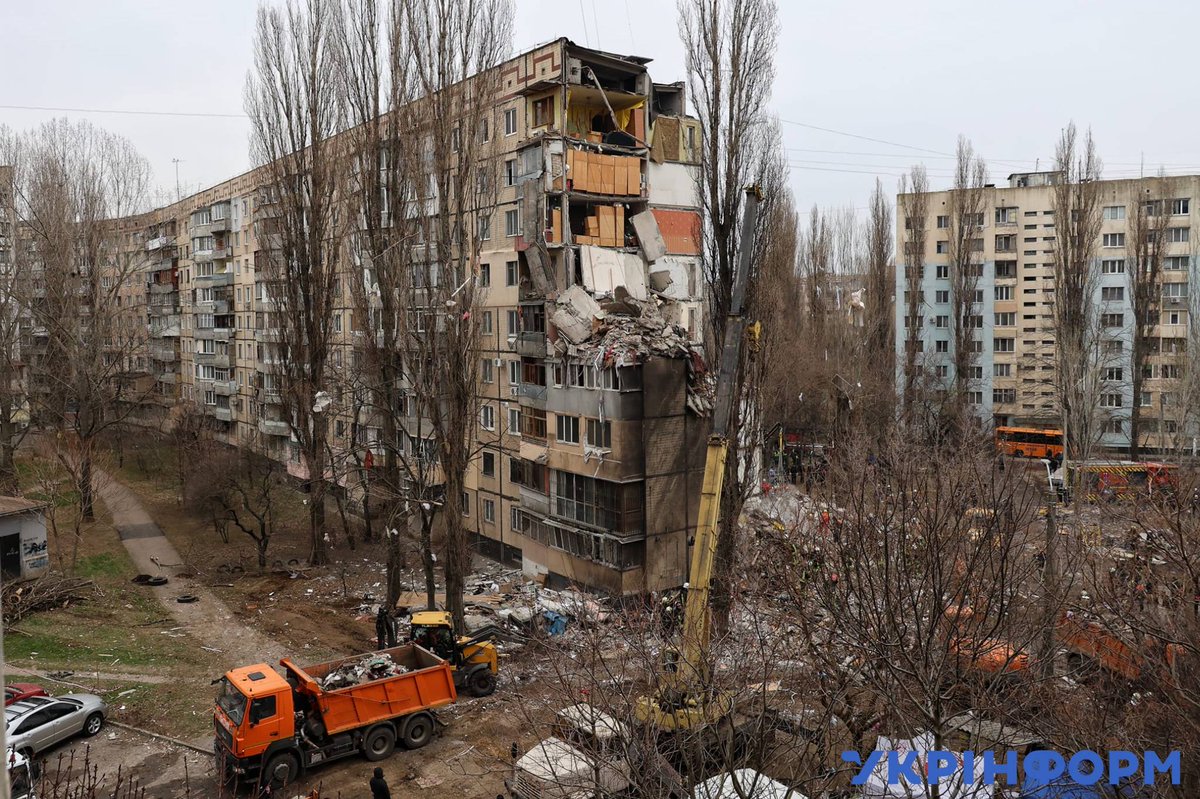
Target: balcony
{"points": [[273, 427], [267, 335], [529, 345], [158, 289], [224, 414], [163, 354], [220, 225], [535, 501], [221, 361], [213, 306], [159, 243], [225, 388], [532, 395]]}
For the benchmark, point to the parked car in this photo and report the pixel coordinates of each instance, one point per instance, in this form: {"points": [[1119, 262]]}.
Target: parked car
{"points": [[17, 691], [37, 723]]}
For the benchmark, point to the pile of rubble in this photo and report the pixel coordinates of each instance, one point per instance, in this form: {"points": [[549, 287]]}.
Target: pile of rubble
{"points": [[368, 668]]}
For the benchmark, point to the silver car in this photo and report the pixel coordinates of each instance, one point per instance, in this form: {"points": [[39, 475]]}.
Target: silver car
{"points": [[37, 723]]}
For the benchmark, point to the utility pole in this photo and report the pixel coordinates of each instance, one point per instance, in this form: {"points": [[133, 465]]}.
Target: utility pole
{"points": [[178, 193]]}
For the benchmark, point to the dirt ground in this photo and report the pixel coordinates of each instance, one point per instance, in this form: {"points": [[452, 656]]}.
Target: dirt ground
{"points": [[160, 680]]}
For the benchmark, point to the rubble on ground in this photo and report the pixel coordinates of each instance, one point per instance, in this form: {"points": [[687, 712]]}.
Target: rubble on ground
{"points": [[368, 668]]}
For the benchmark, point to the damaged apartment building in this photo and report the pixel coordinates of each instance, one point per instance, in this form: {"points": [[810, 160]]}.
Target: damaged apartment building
{"points": [[592, 385], [592, 390]]}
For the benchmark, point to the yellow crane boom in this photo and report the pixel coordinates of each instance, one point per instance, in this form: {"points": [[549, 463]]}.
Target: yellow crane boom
{"points": [[685, 698]]}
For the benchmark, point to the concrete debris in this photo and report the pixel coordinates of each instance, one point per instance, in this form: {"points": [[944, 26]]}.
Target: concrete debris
{"points": [[577, 315], [661, 280], [368, 668], [649, 236], [605, 270]]}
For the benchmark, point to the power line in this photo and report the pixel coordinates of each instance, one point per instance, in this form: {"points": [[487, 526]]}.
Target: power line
{"points": [[865, 138], [122, 111]]}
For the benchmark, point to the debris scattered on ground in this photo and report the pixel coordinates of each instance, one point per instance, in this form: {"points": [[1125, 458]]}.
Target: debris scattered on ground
{"points": [[375, 666], [44, 593]]}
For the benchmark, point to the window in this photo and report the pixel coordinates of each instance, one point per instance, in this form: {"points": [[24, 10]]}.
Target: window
{"points": [[543, 112], [599, 503], [466, 504], [940, 296], [943, 272], [975, 372], [908, 297], [514, 323], [1002, 396], [487, 417], [1180, 207], [1175, 263], [485, 227], [1174, 291], [485, 276], [1177, 235], [1003, 293], [1114, 212], [1112, 319], [489, 464], [485, 133], [1112, 266], [1006, 243], [514, 421], [533, 423], [943, 247], [337, 322], [487, 373], [510, 273], [566, 429], [1114, 239], [943, 221], [973, 321], [943, 371], [1113, 374], [261, 709], [1173, 318], [1171, 371], [1006, 268], [512, 223], [1110, 401], [1112, 293], [1006, 320], [510, 172], [1006, 216], [510, 121], [914, 321], [977, 296], [1002, 370], [489, 511], [1116, 426], [514, 373], [974, 397], [1144, 399], [941, 345], [485, 323], [1003, 345], [599, 434], [1114, 347]]}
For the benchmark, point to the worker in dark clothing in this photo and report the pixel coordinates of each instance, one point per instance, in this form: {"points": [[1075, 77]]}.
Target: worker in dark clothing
{"points": [[383, 624], [379, 786]]}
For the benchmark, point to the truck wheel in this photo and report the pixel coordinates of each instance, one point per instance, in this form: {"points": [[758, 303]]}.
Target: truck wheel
{"points": [[481, 682], [418, 731], [379, 742], [281, 770]]}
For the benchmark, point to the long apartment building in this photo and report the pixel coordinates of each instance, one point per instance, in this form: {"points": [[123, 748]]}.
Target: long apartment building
{"points": [[1013, 312], [592, 424]]}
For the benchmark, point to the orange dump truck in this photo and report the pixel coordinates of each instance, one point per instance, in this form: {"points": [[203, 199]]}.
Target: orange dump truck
{"points": [[1087, 640], [270, 728]]}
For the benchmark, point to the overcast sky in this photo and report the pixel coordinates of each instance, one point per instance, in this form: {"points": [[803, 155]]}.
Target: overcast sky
{"points": [[910, 76]]}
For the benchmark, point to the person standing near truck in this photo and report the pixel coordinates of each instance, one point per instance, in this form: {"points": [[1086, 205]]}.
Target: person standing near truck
{"points": [[379, 786]]}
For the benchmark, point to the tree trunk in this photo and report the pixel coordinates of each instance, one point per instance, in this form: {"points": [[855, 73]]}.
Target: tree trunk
{"points": [[1135, 411], [316, 484], [1049, 591], [8, 471], [427, 557], [458, 556], [368, 533], [87, 500], [263, 541]]}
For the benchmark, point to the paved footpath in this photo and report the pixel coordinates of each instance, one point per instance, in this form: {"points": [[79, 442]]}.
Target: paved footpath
{"points": [[207, 620]]}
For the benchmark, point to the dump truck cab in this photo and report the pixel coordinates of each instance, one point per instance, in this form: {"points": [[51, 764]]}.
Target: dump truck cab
{"points": [[472, 658], [254, 715], [586, 756], [20, 776]]}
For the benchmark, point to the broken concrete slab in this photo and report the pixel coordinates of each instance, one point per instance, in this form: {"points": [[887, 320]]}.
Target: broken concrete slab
{"points": [[649, 236], [577, 312], [659, 281]]}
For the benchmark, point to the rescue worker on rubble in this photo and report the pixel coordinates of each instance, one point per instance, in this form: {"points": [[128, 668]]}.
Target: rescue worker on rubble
{"points": [[384, 631]]}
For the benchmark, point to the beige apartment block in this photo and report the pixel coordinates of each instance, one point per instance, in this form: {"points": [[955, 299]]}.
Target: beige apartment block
{"points": [[591, 451], [1013, 314]]}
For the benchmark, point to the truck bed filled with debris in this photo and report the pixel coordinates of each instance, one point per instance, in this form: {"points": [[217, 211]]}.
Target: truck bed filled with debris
{"points": [[375, 666]]}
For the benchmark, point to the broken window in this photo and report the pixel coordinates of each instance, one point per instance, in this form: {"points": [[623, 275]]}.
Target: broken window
{"points": [[543, 112], [533, 423]]}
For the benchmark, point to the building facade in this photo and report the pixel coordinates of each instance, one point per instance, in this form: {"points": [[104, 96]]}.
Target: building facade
{"points": [[591, 428], [1012, 316]]}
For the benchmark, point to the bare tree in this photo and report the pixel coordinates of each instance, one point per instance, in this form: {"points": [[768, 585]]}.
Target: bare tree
{"points": [[880, 319], [78, 189], [295, 104], [1077, 215], [966, 267], [914, 206], [14, 406], [1146, 250]]}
